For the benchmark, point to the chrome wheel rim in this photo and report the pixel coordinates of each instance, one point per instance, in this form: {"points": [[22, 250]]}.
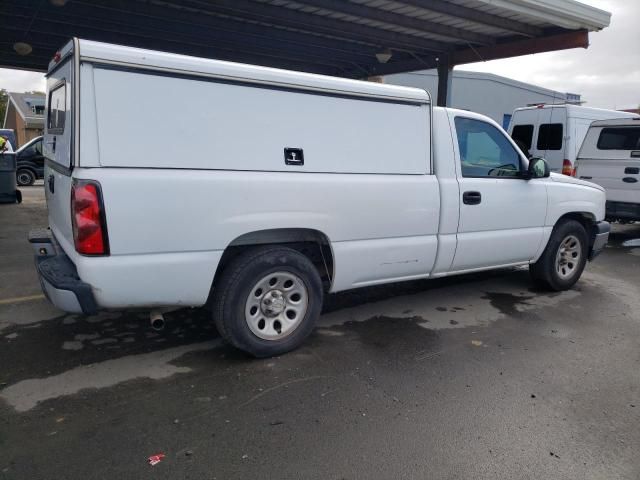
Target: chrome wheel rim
{"points": [[568, 257], [276, 305]]}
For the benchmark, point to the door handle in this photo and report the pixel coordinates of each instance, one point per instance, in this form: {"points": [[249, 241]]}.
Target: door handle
{"points": [[585, 178], [471, 198], [630, 180], [631, 171], [53, 144]]}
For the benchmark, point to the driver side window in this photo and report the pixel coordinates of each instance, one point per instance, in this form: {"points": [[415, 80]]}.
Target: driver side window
{"points": [[485, 151]]}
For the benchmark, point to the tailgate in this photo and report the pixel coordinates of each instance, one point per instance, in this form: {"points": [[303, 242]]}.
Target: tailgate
{"points": [[620, 178], [58, 146]]}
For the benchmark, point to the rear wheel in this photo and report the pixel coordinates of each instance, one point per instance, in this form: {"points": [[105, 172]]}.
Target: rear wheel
{"points": [[564, 258], [267, 300], [25, 177]]}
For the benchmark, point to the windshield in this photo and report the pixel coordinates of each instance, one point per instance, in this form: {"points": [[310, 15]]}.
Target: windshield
{"points": [[29, 144]]}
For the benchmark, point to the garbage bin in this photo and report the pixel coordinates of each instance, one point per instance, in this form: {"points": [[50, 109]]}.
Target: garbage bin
{"points": [[9, 192]]}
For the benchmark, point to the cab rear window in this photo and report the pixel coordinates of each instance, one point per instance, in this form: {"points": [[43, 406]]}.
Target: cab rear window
{"points": [[619, 138], [57, 109]]}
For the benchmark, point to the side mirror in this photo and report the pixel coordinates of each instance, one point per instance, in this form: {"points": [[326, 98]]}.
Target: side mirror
{"points": [[538, 168]]}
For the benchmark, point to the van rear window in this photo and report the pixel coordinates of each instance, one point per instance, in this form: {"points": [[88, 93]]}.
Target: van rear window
{"points": [[57, 109], [619, 138], [523, 134], [550, 136]]}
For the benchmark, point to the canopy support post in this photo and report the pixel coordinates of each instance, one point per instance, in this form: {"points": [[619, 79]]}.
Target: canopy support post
{"points": [[445, 75]]}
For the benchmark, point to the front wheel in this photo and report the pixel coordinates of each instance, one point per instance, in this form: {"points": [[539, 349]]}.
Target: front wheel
{"points": [[563, 260], [25, 177], [267, 300]]}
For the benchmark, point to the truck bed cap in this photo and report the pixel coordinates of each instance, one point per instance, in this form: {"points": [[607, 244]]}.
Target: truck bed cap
{"points": [[171, 63]]}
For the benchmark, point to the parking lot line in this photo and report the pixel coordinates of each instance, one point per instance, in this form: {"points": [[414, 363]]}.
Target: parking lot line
{"points": [[28, 298]]}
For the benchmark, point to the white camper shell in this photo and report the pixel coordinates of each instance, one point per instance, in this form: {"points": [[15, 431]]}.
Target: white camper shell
{"points": [[555, 132], [610, 157], [178, 181]]}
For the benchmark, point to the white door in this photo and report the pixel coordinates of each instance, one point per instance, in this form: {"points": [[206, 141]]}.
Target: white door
{"points": [[551, 137], [501, 214]]}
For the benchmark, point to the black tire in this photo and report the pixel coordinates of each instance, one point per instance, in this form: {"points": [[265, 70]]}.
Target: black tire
{"points": [[546, 272], [231, 292], [25, 177]]}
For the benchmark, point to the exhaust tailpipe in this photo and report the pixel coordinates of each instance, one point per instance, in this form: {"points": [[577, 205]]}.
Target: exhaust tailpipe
{"points": [[157, 320]]}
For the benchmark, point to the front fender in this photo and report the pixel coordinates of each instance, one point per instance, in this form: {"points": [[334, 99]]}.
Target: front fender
{"points": [[582, 198]]}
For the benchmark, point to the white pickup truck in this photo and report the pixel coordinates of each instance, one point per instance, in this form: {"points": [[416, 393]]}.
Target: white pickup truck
{"points": [[180, 181]]}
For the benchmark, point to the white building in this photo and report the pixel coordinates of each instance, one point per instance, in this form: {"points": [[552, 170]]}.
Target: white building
{"points": [[484, 93]]}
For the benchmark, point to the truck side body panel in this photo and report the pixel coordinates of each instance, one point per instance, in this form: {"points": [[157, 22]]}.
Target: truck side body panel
{"points": [[172, 178]]}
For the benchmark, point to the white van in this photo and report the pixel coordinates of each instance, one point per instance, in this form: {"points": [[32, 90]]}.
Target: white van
{"points": [[610, 157], [284, 186], [555, 132]]}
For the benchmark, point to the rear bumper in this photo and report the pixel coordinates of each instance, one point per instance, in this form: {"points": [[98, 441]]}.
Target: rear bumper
{"points": [[59, 279], [623, 210], [600, 238]]}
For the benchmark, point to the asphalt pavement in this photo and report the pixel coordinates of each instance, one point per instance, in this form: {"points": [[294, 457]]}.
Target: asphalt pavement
{"points": [[473, 377]]}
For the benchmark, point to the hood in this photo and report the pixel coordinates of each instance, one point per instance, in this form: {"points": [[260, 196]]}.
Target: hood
{"points": [[557, 177]]}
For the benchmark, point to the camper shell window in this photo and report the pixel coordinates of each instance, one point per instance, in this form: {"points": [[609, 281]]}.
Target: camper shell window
{"points": [[57, 109], [550, 136], [619, 138]]}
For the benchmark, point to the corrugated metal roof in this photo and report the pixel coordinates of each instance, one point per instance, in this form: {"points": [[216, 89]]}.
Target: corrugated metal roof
{"points": [[337, 37]]}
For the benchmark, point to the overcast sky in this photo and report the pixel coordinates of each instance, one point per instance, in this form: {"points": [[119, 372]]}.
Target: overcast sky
{"points": [[607, 74]]}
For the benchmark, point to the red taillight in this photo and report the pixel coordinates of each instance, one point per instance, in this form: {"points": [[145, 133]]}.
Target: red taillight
{"points": [[567, 168], [89, 226]]}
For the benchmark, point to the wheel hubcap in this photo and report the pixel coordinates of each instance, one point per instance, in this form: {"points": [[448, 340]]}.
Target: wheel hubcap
{"points": [[24, 178], [568, 257], [276, 305]]}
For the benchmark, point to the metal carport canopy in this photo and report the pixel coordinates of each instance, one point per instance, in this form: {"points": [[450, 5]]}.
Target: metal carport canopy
{"points": [[334, 37]]}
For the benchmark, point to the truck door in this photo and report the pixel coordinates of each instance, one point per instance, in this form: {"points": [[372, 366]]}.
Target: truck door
{"points": [[501, 215]]}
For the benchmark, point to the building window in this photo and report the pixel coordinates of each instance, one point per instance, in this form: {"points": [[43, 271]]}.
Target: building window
{"points": [[550, 136]]}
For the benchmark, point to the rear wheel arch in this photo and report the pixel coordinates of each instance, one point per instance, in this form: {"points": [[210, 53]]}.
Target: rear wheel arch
{"points": [[314, 244]]}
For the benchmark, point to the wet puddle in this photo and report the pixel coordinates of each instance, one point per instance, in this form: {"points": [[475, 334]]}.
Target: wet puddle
{"points": [[634, 242]]}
